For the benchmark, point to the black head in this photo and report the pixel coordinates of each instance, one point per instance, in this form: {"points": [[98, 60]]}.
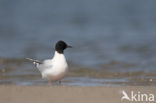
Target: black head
{"points": [[61, 46]]}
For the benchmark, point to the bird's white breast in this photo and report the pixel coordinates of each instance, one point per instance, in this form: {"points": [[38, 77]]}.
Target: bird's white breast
{"points": [[58, 67]]}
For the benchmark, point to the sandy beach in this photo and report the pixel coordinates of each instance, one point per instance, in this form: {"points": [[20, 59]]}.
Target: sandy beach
{"points": [[69, 94]]}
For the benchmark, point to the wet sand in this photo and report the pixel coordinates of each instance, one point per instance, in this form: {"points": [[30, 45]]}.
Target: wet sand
{"points": [[67, 94]]}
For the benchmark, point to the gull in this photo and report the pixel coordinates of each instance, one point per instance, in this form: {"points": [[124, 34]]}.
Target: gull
{"points": [[56, 68]]}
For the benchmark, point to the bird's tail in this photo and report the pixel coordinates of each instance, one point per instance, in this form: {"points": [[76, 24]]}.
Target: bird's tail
{"points": [[35, 62]]}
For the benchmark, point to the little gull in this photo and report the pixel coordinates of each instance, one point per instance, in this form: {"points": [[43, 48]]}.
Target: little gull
{"points": [[56, 68]]}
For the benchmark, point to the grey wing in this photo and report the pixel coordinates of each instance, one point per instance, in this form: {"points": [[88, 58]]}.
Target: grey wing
{"points": [[47, 64], [34, 61]]}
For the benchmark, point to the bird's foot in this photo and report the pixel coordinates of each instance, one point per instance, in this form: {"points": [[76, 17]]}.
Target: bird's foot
{"points": [[58, 83]]}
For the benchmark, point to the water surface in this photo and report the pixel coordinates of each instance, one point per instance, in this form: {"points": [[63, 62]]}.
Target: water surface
{"points": [[107, 36]]}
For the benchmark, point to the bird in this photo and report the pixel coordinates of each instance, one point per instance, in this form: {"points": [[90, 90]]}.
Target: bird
{"points": [[56, 68]]}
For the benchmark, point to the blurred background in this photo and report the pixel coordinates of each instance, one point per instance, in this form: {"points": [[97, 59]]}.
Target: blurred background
{"points": [[113, 41]]}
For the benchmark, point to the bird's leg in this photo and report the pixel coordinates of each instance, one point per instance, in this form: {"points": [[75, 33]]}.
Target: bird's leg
{"points": [[49, 82], [60, 82]]}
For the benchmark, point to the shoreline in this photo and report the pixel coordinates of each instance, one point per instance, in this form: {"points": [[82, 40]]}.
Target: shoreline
{"points": [[68, 94]]}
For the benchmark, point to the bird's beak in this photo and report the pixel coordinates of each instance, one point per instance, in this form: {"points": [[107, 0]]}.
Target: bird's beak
{"points": [[69, 46]]}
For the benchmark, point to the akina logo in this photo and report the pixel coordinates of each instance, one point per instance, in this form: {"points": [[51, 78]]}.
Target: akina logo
{"points": [[137, 96]]}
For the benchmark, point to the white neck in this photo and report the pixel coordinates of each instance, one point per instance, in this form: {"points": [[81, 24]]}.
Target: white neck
{"points": [[58, 55]]}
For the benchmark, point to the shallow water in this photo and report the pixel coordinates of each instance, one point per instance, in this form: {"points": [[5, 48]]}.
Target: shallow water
{"points": [[22, 72], [111, 40]]}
